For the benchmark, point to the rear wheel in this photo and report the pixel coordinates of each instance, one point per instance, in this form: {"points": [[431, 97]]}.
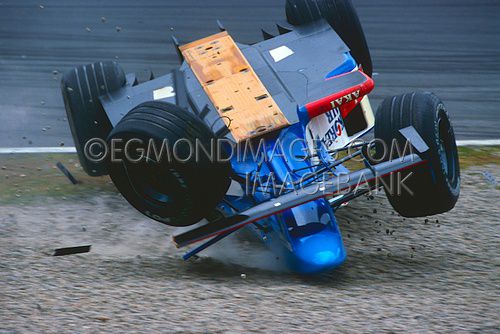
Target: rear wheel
{"points": [[156, 167], [341, 16], [81, 88], [435, 184]]}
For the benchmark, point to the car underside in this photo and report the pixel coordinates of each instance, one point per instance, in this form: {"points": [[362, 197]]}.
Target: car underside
{"points": [[280, 112]]}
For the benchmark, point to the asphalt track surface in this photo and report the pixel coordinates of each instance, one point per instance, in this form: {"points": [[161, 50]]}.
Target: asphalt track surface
{"points": [[451, 47]]}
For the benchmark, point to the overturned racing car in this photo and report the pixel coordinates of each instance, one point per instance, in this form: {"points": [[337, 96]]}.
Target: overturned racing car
{"points": [[258, 136]]}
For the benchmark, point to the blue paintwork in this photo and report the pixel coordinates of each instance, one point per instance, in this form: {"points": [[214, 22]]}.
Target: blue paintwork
{"points": [[347, 66], [307, 238]]}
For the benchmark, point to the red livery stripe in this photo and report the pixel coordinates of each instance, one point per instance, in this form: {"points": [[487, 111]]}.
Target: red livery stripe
{"points": [[345, 100]]}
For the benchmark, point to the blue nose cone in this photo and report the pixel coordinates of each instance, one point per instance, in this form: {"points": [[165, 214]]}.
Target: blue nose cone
{"points": [[319, 252]]}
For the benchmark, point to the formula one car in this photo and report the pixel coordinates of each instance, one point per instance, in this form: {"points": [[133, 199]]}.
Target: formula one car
{"points": [[258, 136]]}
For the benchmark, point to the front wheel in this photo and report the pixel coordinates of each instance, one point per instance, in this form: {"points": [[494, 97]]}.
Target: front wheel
{"points": [[434, 186]]}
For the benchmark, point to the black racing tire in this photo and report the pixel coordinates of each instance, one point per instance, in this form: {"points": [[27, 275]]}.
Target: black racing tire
{"points": [[341, 16], [81, 88], [436, 182], [176, 189]]}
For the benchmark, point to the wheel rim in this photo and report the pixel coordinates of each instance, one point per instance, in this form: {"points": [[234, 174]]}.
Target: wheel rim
{"points": [[151, 181], [448, 153]]}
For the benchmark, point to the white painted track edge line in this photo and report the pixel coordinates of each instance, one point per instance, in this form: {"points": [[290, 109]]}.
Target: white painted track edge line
{"points": [[70, 149], [478, 142], [19, 150]]}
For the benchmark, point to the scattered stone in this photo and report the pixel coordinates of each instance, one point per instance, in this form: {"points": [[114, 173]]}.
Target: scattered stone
{"points": [[243, 275], [4, 167], [118, 29], [41, 6], [387, 231], [103, 19], [362, 239], [88, 29], [61, 144], [379, 249], [69, 89], [44, 129], [374, 210], [102, 318], [55, 72]]}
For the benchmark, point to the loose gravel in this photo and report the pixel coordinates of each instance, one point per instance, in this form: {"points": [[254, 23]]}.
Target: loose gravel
{"points": [[435, 274]]}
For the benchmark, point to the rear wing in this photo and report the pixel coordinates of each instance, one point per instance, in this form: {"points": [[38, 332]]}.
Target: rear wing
{"points": [[349, 88]]}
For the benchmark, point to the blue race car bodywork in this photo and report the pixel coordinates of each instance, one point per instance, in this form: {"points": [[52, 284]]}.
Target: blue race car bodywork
{"points": [[312, 77]]}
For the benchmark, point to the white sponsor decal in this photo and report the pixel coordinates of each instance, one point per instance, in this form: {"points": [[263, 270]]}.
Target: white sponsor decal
{"points": [[281, 53], [329, 129], [346, 98], [163, 93]]}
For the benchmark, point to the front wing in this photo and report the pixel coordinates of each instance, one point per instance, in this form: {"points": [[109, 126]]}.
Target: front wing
{"points": [[342, 184]]}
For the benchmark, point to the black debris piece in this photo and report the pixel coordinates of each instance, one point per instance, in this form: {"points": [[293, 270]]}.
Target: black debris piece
{"points": [[72, 250], [67, 173], [374, 210]]}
